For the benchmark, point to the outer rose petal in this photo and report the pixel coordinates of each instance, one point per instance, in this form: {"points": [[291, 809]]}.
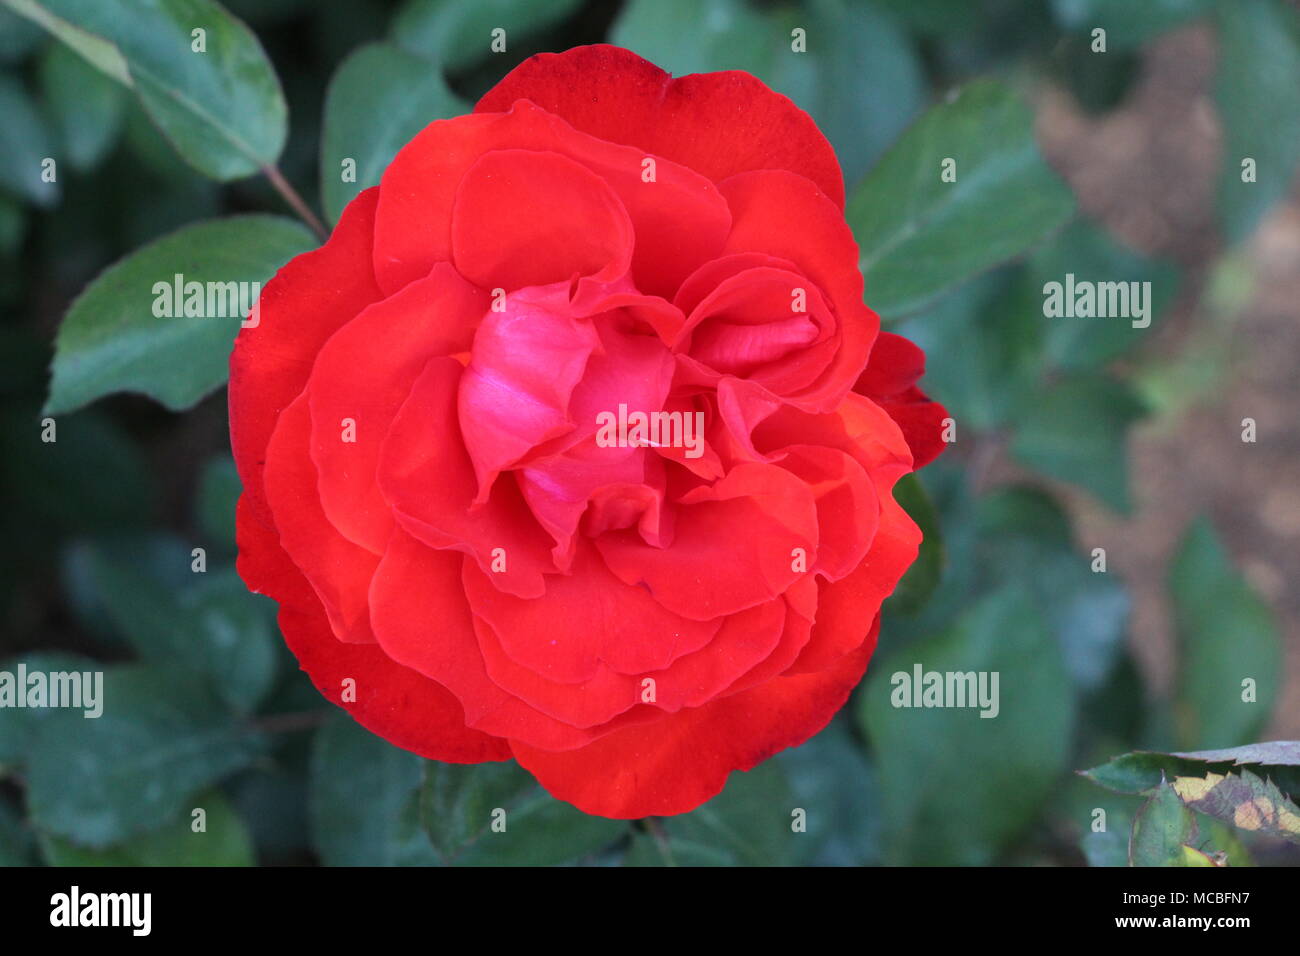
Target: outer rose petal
{"points": [[890, 380], [302, 306], [422, 621], [338, 570], [718, 124], [585, 618], [675, 764], [396, 703], [680, 219]]}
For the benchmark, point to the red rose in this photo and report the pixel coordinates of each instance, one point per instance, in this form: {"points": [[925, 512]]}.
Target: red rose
{"points": [[470, 555]]}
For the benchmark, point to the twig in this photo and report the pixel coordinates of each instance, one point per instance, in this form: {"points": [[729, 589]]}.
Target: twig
{"points": [[295, 201]]}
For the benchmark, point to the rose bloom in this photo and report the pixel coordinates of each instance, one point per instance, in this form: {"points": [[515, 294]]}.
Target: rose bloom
{"points": [[462, 560]]}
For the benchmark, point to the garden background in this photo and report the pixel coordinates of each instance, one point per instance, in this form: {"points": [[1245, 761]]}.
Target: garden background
{"points": [[1115, 164]]}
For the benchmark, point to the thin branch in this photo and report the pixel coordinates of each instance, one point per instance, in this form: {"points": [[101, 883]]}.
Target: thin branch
{"points": [[295, 201], [288, 723]]}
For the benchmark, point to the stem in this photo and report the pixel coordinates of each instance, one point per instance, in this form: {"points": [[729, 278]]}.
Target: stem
{"points": [[295, 201], [289, 723]]}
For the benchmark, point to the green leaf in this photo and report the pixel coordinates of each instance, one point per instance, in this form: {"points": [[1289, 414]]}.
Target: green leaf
{"points": [[112, 341], [750, 823], [24, 145], [495, 814], [1075, 431], [214, 506], [830, 778], [18, 37], [921, 578], [958, 787], [206, 624], [224, 841], [1162, 830], [87, 108], [920, 236], [1091, 254], [363, 799], [1024, 535], [1141, 770], [19, 725], [379, 98], [1258, 95], [160, 739], [12, 226], [456, 34], [91, 478], [17, 848], [222, 109], [981, 345], [1226, 636], [1127, 24], [859, 76]]}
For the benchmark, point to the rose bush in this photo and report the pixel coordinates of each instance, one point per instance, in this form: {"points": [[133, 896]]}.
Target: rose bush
{"points": [[459, 562]]}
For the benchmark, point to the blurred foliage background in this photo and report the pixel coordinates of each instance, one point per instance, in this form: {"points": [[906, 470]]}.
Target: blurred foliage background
{"points": [[1073, 434]]}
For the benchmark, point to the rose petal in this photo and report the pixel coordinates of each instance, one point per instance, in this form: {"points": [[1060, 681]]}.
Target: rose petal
{"points": [[718, 124], [679, 217], [675, 764], [733, 546], [297, 313], [396, 703], [364, 373], [338, 570], [427, 477]]}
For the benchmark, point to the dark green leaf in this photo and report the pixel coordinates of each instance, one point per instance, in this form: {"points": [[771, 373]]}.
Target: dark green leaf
{"points": [[111, 340], [363, 793], [1140, 771], [957, 787], [495, 814], [17, 848], [1258, 95], [751, 823], [91, 478], [1226, 636], [1075, 431], [222, 109], [160, 739], [981, 345], [223, 842], [219, 490], [378, 100], [1090, 254], [1127, 24], [87, 108], [921, 578], [19, 725], [1161, 830], [24, 146], [456, 34], [205, 624], [918, 235]]}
